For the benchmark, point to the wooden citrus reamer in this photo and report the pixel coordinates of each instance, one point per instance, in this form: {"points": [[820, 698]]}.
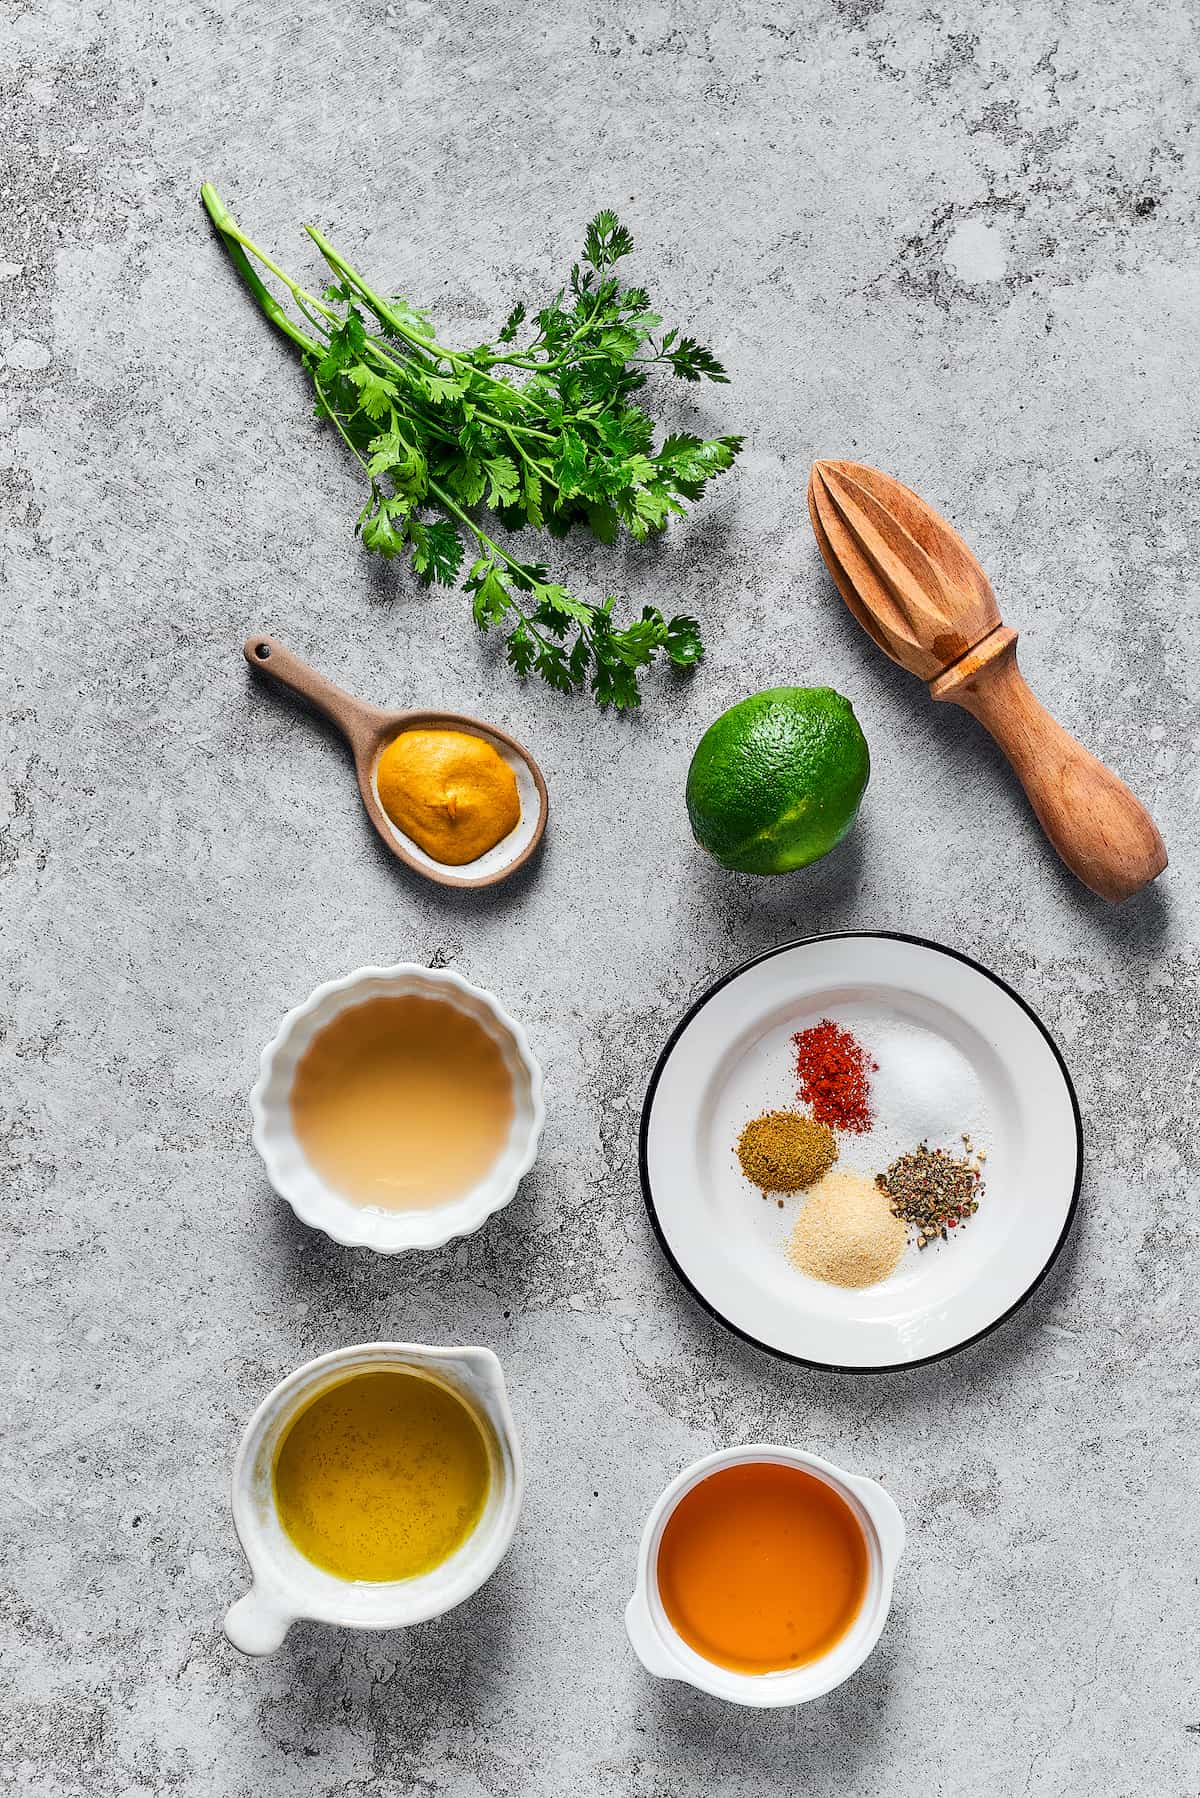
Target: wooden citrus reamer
{"points": [[915, 587]]}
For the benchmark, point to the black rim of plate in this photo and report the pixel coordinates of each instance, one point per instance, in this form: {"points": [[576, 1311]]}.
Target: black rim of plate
{"points": [[835, 936]]}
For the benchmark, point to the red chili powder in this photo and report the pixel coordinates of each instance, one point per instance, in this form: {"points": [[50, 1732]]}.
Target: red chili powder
{"points": [[833, 1067]]}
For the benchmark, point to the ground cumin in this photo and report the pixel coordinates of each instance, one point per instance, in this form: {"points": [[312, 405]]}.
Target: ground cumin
{"points": [[783, 1151]]}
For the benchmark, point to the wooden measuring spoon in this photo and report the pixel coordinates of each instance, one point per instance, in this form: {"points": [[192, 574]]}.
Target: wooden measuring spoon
{"points": [[915, 587], [369, 730]]}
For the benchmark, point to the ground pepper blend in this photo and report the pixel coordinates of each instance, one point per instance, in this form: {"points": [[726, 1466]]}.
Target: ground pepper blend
{"points": [[932, 1191]]}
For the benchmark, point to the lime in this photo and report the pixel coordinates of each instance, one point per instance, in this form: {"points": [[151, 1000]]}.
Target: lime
{"points": [[777, 780]]}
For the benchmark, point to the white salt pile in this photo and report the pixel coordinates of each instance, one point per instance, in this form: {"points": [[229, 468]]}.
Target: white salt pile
{"points": [[924, 1090]]}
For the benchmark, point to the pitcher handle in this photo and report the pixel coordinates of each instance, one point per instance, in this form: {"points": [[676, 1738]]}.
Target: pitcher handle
{"points": [[257, 1624]]}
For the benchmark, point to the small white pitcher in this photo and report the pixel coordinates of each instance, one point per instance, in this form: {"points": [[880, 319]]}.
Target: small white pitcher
{"points": [[287, 1585], [662, 1651]]}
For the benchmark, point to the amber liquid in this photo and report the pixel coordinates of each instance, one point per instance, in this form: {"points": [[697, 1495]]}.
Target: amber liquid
{"points": [[762, 1567], [402, 1103]]}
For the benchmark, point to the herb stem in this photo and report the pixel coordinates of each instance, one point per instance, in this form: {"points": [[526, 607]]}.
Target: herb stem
{"points": [[551, 365], [508, 425], [443, 499], [331, 412], [394, 323], [383, 352], [451, 505], [249, 274], [234, 236], [383, 348], [537, 468], [378, 305]]}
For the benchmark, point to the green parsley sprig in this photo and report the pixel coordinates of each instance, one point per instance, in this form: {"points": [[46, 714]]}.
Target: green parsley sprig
{"points": [[538, 427]]}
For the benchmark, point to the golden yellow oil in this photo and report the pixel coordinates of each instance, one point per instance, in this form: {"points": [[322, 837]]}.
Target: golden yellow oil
{"points": [[382, 1476]]}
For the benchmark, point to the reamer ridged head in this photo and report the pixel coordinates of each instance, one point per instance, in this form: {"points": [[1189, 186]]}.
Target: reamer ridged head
{"points": [[909, 579]]}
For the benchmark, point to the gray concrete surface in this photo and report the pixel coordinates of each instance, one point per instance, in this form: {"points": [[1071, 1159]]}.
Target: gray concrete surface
{"points": [[957, 241]]}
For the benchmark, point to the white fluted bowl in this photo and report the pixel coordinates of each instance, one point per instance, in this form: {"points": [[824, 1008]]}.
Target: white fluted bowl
{"points": [[311, 1197]]}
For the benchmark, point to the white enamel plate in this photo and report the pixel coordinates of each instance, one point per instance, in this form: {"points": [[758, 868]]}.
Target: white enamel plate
{"points": [[945, 1032]]}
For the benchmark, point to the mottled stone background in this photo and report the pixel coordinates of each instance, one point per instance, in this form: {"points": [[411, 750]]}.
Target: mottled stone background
{"points": [[957, 241]]}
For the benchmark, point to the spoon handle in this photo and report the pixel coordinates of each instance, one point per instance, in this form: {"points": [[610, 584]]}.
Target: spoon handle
{"points": [[358, 722], [1104, 835]]}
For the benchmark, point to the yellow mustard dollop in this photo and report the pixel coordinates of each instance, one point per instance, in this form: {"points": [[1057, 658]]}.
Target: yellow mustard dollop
{"points": [[452, 793]]}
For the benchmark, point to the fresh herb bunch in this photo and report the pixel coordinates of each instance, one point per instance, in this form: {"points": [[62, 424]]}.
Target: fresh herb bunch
{"points": [[546, 435]]}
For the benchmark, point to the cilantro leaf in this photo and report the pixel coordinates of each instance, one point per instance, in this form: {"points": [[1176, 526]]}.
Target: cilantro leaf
{"points": [[551, 663], [440, 387], [606, 241], [683, 642], [570, 463], [400, 461], [618, 343], [512, 325], [468, 479], [414, 320], [557, 601], [692, 362], [603, 523], [376, 392], [503, 481], [385, 529], [531, 488], [437, 551], [521, 649], [491, 597]]}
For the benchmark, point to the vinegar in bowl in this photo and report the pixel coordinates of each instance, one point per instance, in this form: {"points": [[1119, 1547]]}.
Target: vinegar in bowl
{"points": [[402, 1102]]}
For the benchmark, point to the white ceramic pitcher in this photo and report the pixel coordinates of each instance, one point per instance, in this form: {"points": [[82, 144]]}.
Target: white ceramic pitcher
{"points": [[287, 1585]]}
